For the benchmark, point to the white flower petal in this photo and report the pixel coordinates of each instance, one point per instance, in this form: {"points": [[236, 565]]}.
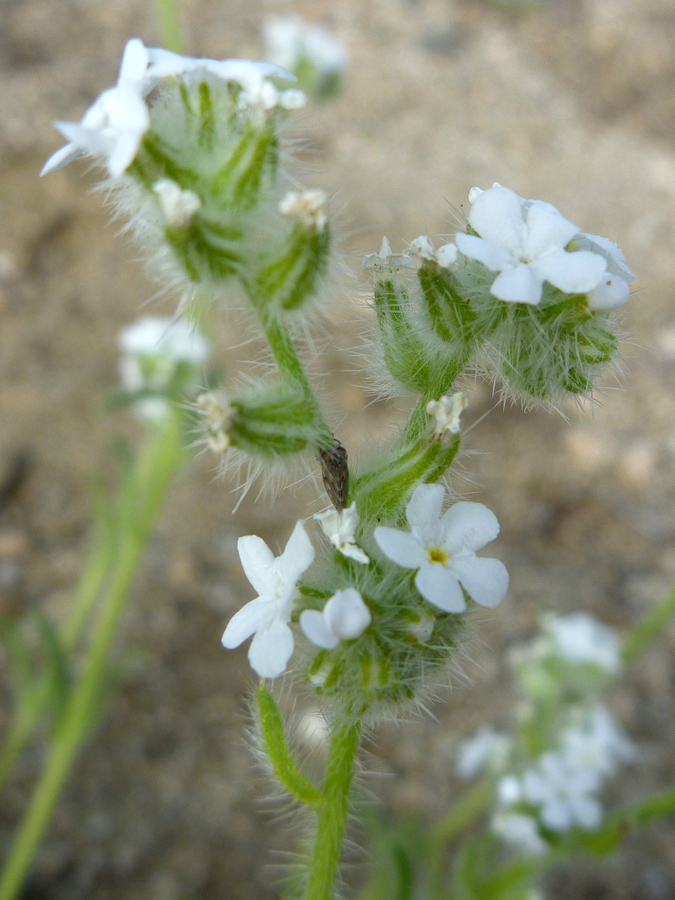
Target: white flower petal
{"points": [[518, 285], [60, 159], [497, 216], [546, 229], [609, 294], [271, 649], [135, 61], [346, 615], [490, 254], [313, 623], [587, 812], [424, 512], [573, 273], [258, 563], [439, 586], [485, 580], [468, 526], [298, 555], [255, 615], [556, 815], [616, 261], [400, 547]]}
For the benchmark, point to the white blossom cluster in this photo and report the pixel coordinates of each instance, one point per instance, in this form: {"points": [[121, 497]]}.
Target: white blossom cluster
{"points": [[442, 550], [154, 351], [529, 242], [113, 127], [560, 789]]}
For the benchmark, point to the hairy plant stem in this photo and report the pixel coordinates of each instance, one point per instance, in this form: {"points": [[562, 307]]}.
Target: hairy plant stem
{"points": [[145, 488], [290, 365], [332, 814]]}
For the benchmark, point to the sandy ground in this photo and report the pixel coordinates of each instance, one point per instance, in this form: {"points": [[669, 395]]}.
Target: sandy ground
{"points": [[574, 104]]}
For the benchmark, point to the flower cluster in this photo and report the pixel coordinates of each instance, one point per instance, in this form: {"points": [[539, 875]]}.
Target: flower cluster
{"points": [[522, 293], [379, 632], [161, 363], [541, 795]]}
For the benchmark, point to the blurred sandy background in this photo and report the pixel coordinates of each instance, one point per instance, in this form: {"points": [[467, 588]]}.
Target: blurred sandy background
{"points": [[573, 103]]}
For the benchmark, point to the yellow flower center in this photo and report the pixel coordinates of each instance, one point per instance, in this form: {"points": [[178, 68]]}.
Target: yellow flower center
{"points": [[438, 555]]}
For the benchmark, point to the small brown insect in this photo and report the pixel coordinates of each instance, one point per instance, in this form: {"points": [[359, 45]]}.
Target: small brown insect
{"points": [[335, 472]]}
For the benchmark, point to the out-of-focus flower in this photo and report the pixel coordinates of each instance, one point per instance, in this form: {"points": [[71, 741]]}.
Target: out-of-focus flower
{"points": [[580, 638], [564, 793], [486, 750]]}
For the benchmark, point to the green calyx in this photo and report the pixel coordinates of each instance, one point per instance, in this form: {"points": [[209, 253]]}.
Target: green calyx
{"points": [[413, 354], [292, 272], [275, 421]]}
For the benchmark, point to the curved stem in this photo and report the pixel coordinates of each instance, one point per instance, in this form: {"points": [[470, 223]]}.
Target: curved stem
{"points": [[651, 626], [144, 491], [332, 815]]}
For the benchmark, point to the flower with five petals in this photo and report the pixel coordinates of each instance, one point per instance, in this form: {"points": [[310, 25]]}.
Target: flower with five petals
{"points": [[443, 550], [267, 617]]}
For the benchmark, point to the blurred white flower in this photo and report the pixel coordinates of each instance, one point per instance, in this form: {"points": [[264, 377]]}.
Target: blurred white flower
{"points": [[247, 73], [564, 793], [344, 618], [153, 348], [519, 831], [178, 205], [423, 249], [113, 126], [267, 617], [443, 550], [580, 638], [597, 743], [525, 241], [292, 42], [340, 528], [486, 750]]}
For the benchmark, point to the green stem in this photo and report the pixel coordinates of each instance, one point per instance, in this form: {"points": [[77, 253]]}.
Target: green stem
{"points": [[144, 491], [332, 815], [284, 766], [651, 626], [32, 706], [289, 363], [464, 813], [167, 12]]}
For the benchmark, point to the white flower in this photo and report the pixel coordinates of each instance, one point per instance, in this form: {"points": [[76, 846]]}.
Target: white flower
{"points": [[613, 290], [487, 749], [443, 550], [597, 743], [247, 73], [519, 831], [580, 638], [387, 260], [178, 206], [447, 412], [113, 127], [217, 415], [423, 249], [310, 207], [340, 528], [152, 348], [267, 617], [291, 41], [525, 241], [564, 793], [344, 618]]}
